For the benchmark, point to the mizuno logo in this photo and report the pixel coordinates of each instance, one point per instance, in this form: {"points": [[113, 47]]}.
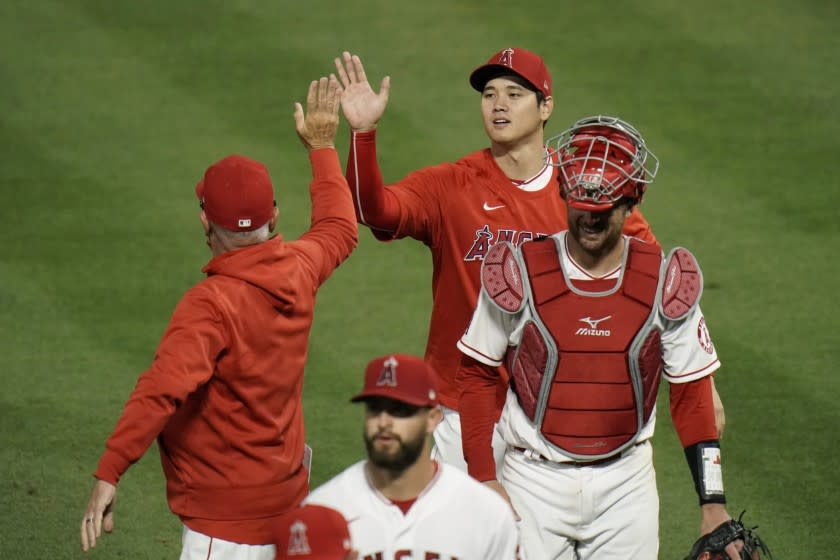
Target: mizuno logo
{"points": [[593, 329], [491, 208]]}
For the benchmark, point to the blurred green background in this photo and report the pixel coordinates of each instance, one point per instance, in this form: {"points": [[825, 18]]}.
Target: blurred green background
{"points": [[111, 111]]}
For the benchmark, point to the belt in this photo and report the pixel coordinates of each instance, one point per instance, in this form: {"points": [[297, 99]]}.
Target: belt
{"points": [[531, 454]]}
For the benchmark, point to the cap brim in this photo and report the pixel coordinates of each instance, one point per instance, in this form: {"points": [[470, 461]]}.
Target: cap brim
{"points": [[590, 206], [385, 394], [483, 74], [199, 189]]}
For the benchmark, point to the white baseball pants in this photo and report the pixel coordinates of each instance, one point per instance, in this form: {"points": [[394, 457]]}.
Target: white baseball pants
{"points": [[602, 512]]}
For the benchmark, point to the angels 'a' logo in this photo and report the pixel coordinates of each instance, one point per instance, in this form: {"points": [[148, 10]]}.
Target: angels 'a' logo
{"points": [[704, 337], [388, 375], [506, 58], [298, 543]]}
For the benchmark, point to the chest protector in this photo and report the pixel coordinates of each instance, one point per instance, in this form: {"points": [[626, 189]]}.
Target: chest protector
{"points": [[586, 371]]}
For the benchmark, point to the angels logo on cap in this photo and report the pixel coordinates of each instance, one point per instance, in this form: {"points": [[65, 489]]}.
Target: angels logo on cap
{"points": [[298, 543], [506, 58], [389, 373]]}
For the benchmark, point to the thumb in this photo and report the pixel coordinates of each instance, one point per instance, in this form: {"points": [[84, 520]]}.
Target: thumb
{"points": [[299, 119], [108, 521], [385, 89]]}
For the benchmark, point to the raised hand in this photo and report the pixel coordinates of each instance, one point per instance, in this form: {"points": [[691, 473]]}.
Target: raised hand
{"points": [[316, 129], [362, 106]]}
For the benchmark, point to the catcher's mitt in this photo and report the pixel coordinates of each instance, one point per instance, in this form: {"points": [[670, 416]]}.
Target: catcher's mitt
{"points": [[715, 542]]}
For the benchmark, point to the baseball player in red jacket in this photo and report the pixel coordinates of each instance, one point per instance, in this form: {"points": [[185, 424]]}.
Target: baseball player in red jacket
{"points": [[223, 394], [588, 322], [507, 192]]}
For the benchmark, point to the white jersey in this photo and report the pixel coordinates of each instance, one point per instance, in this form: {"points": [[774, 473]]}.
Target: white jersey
{"points": [[687, 353], [454, 518]]}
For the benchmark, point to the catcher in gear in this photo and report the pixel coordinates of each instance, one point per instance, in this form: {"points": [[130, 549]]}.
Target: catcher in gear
{"points": [[728, 535], [588, 322]]}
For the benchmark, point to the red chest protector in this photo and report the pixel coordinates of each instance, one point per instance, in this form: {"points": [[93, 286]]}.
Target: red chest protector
{"points": [[588, 367]]}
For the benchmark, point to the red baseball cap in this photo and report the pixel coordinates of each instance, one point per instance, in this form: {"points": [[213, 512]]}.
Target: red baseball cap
{"points": [[402, 378], [236, 194], [523, 63], [314, 532]]}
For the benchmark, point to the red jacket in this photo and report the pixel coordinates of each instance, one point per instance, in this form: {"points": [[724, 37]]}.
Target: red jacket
{"points": [[223, 394]]}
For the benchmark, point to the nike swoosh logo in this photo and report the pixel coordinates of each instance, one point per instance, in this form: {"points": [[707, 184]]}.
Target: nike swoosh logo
{"points": [[491, 208]]}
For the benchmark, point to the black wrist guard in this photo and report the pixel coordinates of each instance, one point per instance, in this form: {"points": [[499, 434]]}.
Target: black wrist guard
{"points": [[704, 461]]}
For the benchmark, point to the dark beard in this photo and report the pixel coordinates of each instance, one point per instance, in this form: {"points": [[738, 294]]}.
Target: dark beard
{"points": [[407, 455], [610, 241]]}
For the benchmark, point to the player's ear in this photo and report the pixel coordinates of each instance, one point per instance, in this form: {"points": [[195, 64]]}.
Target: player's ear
{"points": [[546, 108], [204, 222]]}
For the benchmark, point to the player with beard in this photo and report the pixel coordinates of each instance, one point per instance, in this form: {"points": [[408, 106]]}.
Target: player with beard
{"points": [[588, 321], [401, 503]]}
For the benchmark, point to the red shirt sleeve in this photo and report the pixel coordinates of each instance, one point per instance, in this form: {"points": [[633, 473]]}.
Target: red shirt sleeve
{"points": [[184, 361], [477, 406], [332, 233], [637, 226], [374, 205], [693, 411]]}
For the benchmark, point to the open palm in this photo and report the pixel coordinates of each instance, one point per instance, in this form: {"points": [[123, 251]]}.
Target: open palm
{"points": [[362, 107]]}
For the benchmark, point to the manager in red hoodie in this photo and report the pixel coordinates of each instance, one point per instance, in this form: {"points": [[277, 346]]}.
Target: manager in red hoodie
{"points": [[223, 394]]}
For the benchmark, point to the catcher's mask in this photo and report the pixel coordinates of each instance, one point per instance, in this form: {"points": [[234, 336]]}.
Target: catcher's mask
{"points": [[601, 160]]}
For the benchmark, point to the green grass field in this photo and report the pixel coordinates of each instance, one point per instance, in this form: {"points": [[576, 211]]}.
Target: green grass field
{"points": [[112, 110]]}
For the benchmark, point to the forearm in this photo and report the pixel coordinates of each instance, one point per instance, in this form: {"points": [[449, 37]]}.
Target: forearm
{"points": [[374, 205], [477, 406], [140, 423], [333, 223], [692, 410]]}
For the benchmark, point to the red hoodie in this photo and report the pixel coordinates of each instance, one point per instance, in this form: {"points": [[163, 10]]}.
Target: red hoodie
{"points": [[223, 394]]}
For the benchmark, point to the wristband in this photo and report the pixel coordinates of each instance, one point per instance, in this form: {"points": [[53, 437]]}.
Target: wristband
{"points": [[704, 461]]}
